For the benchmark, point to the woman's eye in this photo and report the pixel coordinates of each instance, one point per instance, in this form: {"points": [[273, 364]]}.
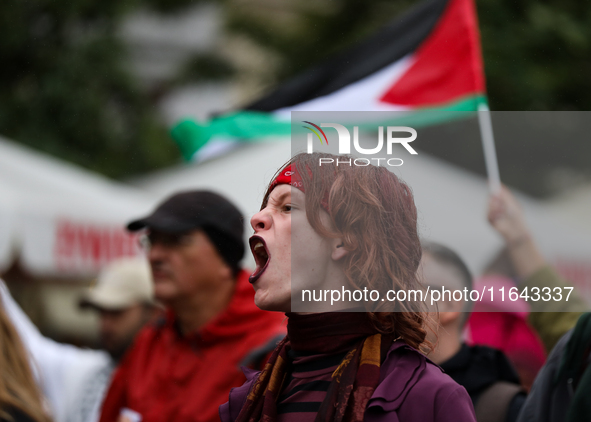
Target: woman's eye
{"points": [[287, 207]]}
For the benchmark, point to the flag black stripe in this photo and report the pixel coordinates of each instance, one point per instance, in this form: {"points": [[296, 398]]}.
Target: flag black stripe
{"points": [[388, 45]]}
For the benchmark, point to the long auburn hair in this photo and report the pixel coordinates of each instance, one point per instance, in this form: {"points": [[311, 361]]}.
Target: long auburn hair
{"points": [[375, 215], [18, 389]]}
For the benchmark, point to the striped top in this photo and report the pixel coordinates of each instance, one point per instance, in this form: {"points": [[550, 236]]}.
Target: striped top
{"points": [[306, 385]]}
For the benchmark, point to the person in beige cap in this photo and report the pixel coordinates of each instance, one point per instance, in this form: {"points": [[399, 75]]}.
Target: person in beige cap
{"points": [[123, 297], [74, 380]]}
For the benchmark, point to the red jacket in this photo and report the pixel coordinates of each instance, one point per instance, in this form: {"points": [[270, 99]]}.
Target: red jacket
{"points": [[168, 377]]}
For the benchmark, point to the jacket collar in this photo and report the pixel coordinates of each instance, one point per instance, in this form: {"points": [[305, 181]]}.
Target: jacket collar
{"points": [[236, 320], [400, 371]]}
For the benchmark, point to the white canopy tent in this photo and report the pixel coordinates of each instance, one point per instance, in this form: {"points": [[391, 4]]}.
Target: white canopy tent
{"points": [[452, 203], [60, 220]]}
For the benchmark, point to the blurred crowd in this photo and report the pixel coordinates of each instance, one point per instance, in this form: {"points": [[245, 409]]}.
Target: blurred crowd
{"points": [[180, 329]]}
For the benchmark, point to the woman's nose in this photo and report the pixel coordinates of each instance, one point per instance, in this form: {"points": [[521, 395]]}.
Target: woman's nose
{"points": [[260, 221]]}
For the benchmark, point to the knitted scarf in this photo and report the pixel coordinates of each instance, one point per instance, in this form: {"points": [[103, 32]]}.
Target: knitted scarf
{"points": [[354, 380]]}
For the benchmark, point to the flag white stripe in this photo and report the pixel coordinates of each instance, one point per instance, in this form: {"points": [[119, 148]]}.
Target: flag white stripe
{"points": [[362, 95]]}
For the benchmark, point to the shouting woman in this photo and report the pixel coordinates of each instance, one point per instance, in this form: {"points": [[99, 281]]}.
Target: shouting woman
{"points": [[349, 228]]}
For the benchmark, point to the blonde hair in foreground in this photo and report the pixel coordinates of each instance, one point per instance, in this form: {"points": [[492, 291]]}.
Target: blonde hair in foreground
{"points": [[18, 389]]}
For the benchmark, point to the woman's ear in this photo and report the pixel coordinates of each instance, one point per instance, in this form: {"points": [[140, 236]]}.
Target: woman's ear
{"points": [[338, 249], [446, 318]]}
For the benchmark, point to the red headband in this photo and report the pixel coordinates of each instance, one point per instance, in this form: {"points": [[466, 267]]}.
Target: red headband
{"points": [[290, 176], [287, 176]]}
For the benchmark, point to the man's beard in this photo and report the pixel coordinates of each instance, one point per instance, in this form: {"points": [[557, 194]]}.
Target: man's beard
{"points": [[118, 351]]}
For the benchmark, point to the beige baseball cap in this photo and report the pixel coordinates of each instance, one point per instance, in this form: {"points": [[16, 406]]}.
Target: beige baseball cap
{"points": [[121, 284]]}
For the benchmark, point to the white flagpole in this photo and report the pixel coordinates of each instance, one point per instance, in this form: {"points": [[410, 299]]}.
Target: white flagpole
{"points": [[488, 144]]}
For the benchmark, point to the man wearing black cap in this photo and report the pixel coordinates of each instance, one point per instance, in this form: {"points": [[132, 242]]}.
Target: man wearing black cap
{"points": [[183, 368]]}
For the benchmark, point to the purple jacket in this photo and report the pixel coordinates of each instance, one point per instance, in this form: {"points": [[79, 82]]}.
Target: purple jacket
{"points": [[411, 389]]}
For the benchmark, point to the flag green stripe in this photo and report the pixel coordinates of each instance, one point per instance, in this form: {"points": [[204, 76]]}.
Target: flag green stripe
{"points": [[252, 126]]}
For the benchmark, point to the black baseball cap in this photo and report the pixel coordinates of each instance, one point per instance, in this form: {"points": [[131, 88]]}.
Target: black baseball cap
{"points": [[199, 209]]}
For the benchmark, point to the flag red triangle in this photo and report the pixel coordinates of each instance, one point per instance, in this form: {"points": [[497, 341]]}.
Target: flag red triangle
{"points": [[447, 66]]}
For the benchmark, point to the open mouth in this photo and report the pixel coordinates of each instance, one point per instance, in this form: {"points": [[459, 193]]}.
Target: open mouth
{"points": [[261, 255]]}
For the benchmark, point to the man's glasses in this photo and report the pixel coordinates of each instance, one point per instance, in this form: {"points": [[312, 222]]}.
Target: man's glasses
{"points": [[166, 240]]}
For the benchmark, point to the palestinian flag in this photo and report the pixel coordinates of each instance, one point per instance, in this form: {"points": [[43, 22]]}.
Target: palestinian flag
{"points": [[427, 64]]}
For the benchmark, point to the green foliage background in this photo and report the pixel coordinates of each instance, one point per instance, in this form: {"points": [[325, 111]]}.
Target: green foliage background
{"points": [[64, 88]]}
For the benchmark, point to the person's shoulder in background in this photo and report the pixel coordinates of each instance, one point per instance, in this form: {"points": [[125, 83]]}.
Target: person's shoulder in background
{"points": [[548, 400]]}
